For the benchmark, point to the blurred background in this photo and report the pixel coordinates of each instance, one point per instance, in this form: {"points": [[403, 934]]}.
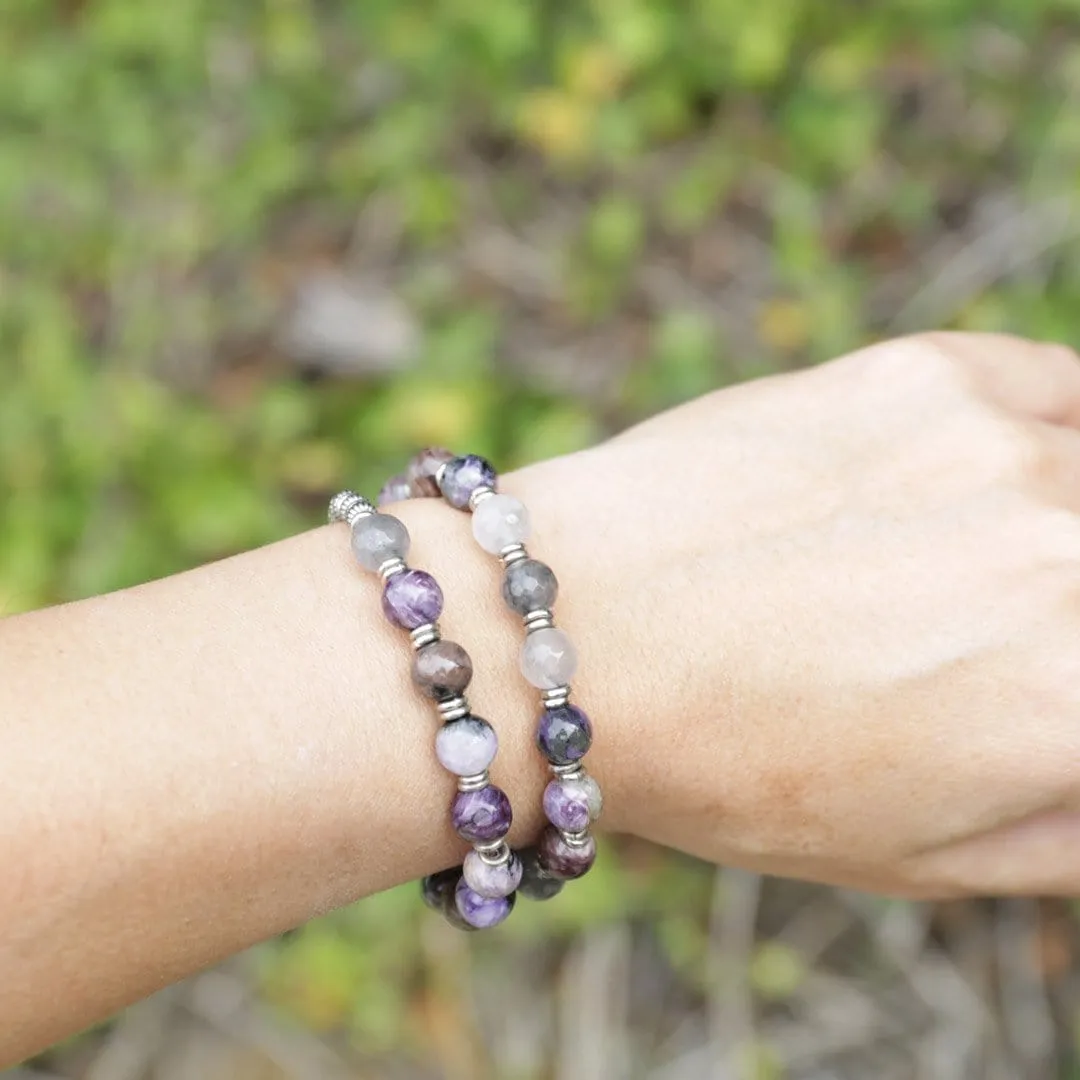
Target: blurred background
{"points": [[254, 250]]}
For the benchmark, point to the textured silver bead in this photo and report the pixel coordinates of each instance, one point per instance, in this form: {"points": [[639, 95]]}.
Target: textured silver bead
{"points": [[513, 553], [427, 634], [392, 567], [542, 619], [568, 772], [475, 782], [348, 506], [577, 839], [479, 495], [494, 854], [453, 708], [556, 697]]}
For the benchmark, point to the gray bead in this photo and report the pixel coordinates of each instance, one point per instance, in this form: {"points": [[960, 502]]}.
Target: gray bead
{"points": [[379, 537], [535, 884], [529, 585]]}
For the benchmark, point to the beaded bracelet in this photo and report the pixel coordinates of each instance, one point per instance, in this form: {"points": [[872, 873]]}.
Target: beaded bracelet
{"points": [[481, 893], [572, 800]]}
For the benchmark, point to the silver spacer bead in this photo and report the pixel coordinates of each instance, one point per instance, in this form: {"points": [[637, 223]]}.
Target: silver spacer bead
{"points": [[475, 782], [479, 495], [576, 839], [556, 697], [440, 472], [513, 553], [574, 771], [427, 634], [495, 853], [453, 708], [392, 567], [542, 619], [350, 507]]}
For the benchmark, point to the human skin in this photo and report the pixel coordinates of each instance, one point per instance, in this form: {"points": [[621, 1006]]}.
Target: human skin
{"points": [[828, 626]]}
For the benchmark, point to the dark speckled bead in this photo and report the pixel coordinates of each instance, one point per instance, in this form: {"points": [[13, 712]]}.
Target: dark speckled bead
{"points": [[529, 585], [421, 471], [463, 476], [436, 888], [563, 860], [482, 816], [564, 734], [535, 884]]}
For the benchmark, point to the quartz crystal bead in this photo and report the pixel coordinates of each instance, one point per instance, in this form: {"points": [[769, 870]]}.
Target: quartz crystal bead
{"points": [[499, 522], [491, 881], [548, 659], [571, 803], [411, 599], [442, 669], [535, 884], [422, 469], [466, 747], [378, 537], [396, 489], [564, 734], [483, 815], [529, 585], [482, 912], [463, 475], [562, 859]]}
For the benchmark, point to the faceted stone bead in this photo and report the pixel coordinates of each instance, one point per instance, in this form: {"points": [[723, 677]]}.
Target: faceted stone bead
{"points": [[437, 888], [482, 912], [529, 585], [396, 489], [442, 669], [466, 747], [420, 474], [535, 884], [566, 805], [491, 881], [411, 599], [548, 658], [564, 734], [499, 522], [564, 860], [463, 476], [379, 537], [481, 816]]}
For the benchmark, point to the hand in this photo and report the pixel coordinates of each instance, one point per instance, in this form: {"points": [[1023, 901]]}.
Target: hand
{"points": [[830, 621]]}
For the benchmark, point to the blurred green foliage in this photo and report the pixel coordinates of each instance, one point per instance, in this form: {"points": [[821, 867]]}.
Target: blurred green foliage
{"points": [[151, 155]]}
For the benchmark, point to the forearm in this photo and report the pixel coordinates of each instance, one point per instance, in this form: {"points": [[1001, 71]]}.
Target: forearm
{"points": [[196, 764]]}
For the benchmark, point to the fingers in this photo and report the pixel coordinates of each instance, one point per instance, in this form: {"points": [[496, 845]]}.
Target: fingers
{"points": [[1035, 379]]}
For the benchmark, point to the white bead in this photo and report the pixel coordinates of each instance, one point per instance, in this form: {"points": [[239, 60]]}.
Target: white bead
{"points": [[548, 659], [499, 521]]}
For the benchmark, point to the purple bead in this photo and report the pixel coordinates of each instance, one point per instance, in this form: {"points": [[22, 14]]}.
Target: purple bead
{"points": [[487, 880], [480, 816], [463, 476], [562, 860], [396, 489], [535, 883], [482, 912], [564, 734], [421, 471], [566, 805], [411, 599]]}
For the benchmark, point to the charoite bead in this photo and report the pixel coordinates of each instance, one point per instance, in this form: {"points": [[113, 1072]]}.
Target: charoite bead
{"points": [[377, 538], [491, 881], [463, 475], [564, 734], [442, 669], [411, 599], [499, 522], [529, 585], [571, 804], [535, 883], [564, 860], [482, 912], [396, 489], [548, 658], [466, 747], [483, 815], [422, 469]]}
